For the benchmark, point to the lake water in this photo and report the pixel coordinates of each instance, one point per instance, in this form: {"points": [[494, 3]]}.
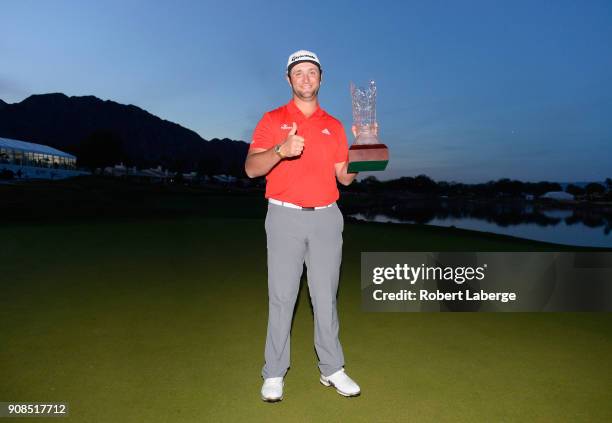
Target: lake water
{"points": [[577, 233]]}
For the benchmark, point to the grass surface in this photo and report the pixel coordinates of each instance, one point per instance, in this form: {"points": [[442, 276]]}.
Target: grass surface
{"points": [[164, 320]]}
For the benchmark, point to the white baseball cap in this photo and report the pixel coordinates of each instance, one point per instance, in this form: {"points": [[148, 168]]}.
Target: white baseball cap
{"points": [[302, 56]]}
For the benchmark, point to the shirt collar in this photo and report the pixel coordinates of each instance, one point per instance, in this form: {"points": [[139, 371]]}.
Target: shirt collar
{"points": [[295, 111]]}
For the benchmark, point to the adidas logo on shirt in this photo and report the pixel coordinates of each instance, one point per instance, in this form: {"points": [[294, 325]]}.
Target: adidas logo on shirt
{"points": [[326, 131]]}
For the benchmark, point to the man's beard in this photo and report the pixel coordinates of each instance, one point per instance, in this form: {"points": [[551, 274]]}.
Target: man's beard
{"points": [[315, 93]]}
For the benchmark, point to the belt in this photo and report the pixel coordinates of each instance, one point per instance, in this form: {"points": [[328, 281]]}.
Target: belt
{"points": [[295, 206]]}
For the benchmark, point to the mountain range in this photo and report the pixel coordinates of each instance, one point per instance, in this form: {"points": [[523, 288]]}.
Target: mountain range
{"points": [[103, 132]]}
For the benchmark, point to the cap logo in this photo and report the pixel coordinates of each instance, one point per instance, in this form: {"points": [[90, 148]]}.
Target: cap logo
{"points": [[293, 59]]}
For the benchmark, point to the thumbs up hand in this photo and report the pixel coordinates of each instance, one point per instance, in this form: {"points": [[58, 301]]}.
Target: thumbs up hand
{"points": [[294, 144]]}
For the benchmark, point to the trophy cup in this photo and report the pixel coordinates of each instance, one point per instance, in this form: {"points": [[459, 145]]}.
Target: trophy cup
{"points": [[367, 153]]}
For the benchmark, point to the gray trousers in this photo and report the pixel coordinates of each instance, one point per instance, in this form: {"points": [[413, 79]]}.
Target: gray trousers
{"points": [[296, 236]]}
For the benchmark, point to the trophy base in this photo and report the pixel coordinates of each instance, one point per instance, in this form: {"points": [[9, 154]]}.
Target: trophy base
{"points": [[368, 158]]}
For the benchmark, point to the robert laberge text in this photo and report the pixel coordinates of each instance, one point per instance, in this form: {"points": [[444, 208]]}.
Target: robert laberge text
{"points": [[424, 295]]}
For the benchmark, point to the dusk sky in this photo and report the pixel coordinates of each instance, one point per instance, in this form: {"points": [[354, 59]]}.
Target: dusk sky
{"points": [[467, 90]]}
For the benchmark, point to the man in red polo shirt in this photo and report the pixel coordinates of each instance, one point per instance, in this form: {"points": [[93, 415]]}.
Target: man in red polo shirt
{"points": [[302, 150]]}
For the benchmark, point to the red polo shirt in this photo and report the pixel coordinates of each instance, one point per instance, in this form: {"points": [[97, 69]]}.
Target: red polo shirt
{"points": [[308, 180]]}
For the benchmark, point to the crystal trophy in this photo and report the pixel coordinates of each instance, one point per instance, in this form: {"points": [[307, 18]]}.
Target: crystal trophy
{"points": [[366, 153]]}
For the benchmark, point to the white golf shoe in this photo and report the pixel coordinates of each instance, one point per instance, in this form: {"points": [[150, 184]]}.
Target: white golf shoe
{"points": [[342, 382], [272, 389]]}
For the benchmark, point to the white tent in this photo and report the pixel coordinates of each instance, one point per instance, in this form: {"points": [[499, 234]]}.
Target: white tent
{"points": [[558, 195], [28, 160], [9, 143]]}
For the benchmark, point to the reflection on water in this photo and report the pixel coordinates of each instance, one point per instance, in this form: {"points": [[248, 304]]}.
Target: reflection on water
{"points": [[570, 226], [560, 214]]}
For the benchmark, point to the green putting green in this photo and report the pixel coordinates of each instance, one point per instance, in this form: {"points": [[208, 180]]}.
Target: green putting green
{"points": [[164, 320]]}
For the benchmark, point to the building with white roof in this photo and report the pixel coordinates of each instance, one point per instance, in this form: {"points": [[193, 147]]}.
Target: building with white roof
{"points": [[28, 160]]}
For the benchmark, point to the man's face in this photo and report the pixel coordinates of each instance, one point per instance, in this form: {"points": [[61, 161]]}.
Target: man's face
{"points": [[305, 80]]}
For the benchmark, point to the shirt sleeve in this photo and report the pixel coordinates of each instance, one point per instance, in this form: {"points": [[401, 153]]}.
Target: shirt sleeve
{"points": [[263, 137], [342, 150]]}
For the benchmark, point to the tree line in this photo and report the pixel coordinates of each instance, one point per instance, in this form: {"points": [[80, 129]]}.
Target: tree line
{"points": [[423, 184]]}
